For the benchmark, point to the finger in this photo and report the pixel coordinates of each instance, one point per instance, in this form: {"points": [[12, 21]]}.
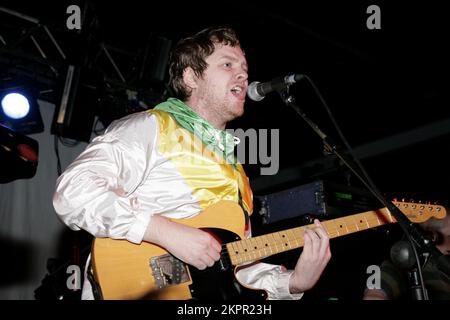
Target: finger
{"points": [[307, 248], [210, 262], [213, 255], [216, 244], [324, 243], [320, 229], [322, 234], [315, 244], [214, 249], [328, 254], [200, 265], [324, 250]]}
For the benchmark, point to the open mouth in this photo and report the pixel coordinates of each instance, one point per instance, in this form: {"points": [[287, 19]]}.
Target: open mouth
{"points": [[238, 91]]}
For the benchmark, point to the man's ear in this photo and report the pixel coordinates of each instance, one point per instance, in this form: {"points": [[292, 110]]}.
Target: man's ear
{"points": [[189, 78]]}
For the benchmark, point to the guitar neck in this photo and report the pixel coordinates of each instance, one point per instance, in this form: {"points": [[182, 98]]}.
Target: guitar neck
{"points": [[264, 246]]}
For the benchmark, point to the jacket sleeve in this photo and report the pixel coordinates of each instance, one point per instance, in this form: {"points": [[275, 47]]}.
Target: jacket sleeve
{"points": [[95, 192], [274, 279]]}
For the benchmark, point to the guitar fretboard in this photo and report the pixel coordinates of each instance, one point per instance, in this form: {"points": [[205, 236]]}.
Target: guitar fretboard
{"points": [[260, 247]]}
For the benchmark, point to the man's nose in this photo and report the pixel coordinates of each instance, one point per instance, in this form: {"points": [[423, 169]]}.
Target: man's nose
{"points": [[242, 75]]}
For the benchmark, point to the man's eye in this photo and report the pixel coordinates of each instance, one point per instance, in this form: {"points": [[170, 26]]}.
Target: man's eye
{"points": [[227, 64]]}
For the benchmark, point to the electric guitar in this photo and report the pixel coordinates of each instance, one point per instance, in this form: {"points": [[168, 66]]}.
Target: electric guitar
{"points": [[124, 270]]}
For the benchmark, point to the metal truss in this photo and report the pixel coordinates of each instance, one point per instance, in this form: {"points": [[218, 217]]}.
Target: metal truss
{"points": [[32, 49]]}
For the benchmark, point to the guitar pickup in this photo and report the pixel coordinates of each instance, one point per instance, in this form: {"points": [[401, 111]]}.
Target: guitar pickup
{"points": [[168, 271]]}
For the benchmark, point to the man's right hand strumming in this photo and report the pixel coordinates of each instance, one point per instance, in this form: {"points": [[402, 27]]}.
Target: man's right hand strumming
{"points": [[191, 245]]}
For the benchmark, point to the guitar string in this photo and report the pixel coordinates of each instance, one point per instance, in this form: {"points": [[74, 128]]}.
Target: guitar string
{"points": [[368, 220]]}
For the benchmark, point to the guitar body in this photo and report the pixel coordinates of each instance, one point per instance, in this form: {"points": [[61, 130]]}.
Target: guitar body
{"points": [[124, 270]]}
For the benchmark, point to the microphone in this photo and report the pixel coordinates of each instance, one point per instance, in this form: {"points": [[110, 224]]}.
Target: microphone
{"points": [[257, 91]]}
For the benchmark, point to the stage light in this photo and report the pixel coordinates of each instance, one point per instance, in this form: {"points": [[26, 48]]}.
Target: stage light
{"points": [[19, 109], [15, 105], [19, 155]]}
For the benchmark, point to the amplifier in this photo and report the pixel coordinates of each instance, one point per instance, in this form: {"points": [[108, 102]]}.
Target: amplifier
{"points": [[323, 199]]}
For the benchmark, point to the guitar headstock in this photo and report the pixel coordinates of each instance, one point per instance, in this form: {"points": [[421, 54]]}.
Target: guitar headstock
{"points": [[420, 212]]}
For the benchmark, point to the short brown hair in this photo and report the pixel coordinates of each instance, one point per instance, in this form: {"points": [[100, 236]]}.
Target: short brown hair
{"points": [[192, 52]]}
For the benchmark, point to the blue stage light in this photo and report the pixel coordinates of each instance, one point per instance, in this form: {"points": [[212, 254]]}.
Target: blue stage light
{"points": [[15, 105], [19, 109]]}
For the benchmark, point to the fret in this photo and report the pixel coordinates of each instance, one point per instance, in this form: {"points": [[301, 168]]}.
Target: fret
{"points": [[241, 251], [285, 240], [367, 222], [277, 238], [341, 224], [262, 246], [337, 230], [244, 249], [378, 220], [281, 240], [346, 228], [235, 248], [274, 242], [294, 237], [250, 252], [255, 248], [351, 225], [248, 247], [267, 244], [235, 251], [299, 235], [373, 220], [356, 223], [289, 240]]}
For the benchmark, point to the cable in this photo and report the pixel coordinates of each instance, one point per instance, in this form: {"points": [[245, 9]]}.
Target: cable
{"points": [[419, 268], [58, 160]]}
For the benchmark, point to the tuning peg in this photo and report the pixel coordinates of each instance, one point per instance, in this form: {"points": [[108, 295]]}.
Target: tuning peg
{"points": [[411, 200], [403, 199]]}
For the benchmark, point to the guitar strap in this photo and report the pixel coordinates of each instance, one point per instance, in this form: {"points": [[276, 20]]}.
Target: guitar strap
{"points": [[247, 216], [96, 290]]}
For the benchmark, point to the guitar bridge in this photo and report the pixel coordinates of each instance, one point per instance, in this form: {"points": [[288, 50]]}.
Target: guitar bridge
{"points": [[168, 271]]}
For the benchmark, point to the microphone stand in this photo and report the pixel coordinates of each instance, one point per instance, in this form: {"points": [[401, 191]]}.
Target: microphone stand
{"points": [[411, 230]]}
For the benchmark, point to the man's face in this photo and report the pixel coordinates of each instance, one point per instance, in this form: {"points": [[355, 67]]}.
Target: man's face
{"points": [[223, 87]]}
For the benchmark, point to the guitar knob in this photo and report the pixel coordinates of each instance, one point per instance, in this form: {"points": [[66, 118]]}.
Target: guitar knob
{"points": [[411, 200]]}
